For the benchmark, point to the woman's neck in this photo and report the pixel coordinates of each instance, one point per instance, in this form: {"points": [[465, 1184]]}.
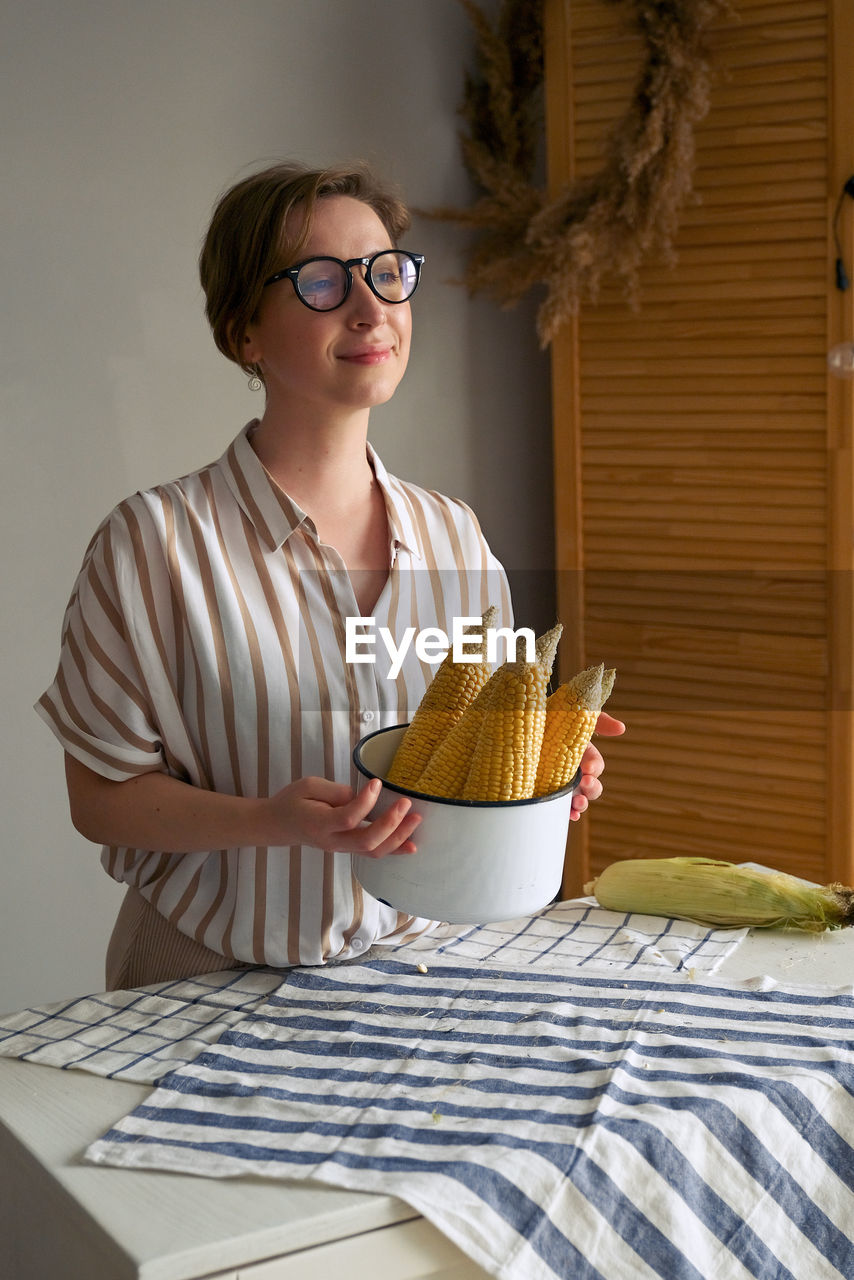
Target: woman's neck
{"points": [[326, 472], [323, 467]]}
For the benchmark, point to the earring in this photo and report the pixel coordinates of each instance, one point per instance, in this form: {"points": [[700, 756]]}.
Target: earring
{"points": [[255, 383]]}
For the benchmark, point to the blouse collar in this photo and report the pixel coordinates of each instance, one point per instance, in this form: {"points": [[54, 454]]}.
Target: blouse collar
{"points": [[276, 516]]}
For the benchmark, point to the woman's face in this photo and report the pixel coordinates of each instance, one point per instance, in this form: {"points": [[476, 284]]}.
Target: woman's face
{"points": [[332, 362]]}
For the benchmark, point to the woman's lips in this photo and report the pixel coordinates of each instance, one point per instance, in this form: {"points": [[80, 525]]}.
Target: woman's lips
{"points": [[367, 355]]}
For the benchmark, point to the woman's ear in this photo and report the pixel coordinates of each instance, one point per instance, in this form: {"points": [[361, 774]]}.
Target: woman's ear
{"points": [[244, 349], [251, 353]]}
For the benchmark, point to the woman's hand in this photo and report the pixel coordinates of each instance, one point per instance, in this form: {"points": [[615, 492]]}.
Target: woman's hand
{"points": [[592, 764], [329, 816]]}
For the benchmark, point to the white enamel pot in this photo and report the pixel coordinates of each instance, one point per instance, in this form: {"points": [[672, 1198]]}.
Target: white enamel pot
{"points": [[476, 862]]}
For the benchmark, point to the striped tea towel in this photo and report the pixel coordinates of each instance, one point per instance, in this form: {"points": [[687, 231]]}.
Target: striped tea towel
{"points": [[580, 932], [140, 1035], [136, 1035], [586, 1125]]}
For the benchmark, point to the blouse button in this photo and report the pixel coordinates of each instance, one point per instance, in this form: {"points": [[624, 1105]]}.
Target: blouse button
{"points": [[367, 717]]}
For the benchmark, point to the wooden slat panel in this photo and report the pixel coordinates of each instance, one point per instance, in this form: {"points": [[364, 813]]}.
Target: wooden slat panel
{"points": [[689, 401], [790, 607], [781, 144], [634, 365], [840, 440], [789, 316], [740, 349], [649, 553], [777, 11], [700, 425], [695, 447]]}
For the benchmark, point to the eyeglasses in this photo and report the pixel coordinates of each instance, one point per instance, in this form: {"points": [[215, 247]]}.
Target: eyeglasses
{"points": [[325, 283]]}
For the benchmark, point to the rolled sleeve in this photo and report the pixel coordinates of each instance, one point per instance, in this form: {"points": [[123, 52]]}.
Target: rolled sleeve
{"points": [[96, 706]]}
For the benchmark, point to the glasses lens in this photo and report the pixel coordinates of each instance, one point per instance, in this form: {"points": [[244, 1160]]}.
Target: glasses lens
{"points": [[322, 284], [394, 276]]}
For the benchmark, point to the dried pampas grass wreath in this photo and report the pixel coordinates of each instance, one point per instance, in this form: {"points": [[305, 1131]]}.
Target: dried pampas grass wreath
{"points": [[567, 240]]}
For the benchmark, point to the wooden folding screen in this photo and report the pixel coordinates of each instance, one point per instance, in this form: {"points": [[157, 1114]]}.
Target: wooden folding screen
{"points": [[703, 460]]}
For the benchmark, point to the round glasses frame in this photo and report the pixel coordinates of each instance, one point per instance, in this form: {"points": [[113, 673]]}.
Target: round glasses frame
{"points": [[292, 274]]}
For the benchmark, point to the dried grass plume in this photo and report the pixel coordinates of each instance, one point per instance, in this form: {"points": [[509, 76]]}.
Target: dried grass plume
{"points": [[608, 223]]}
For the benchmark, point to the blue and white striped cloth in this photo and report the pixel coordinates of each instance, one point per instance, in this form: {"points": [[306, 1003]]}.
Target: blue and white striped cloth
{"points": [[140, 1035], [589, 1125]]}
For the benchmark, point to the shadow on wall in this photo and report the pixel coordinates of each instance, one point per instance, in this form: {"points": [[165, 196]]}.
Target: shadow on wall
{"points": [[514, 489]]}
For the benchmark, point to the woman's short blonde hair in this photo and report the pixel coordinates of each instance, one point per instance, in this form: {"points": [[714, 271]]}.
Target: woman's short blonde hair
{"points": [[248, 241]]}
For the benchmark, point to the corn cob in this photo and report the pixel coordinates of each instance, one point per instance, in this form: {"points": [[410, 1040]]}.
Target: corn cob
{"points": [[447, 772], [722, 894], [504, 762], [571, 715], [453, 688]]}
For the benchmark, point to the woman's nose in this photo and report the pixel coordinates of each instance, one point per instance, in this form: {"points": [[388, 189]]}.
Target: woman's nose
{"points": [[364, 305]]}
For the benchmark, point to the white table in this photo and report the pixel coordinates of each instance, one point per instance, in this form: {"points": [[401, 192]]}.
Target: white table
{"points": [[63, 1220]]}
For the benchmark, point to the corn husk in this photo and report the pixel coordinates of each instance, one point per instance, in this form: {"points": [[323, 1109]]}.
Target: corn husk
{"points": [[721, 894]]}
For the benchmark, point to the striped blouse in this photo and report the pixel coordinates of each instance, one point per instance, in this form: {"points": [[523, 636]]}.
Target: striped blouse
{"points": [[206, 638]]}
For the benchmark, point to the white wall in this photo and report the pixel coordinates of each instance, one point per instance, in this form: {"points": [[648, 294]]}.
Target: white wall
{"points": [[124, 119]]}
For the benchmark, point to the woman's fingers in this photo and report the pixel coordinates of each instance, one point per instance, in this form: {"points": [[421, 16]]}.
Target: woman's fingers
{"points": [[579, 804], [609, 726], [355, 832], [592, 763], [590, 786], [388, 834]]}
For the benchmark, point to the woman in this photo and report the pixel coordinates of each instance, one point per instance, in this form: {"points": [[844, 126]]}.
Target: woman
{"points": [[203, 696]]}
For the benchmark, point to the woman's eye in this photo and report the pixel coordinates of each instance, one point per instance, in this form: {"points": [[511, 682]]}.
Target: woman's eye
{"points": [[321, 283], [321, 286]]}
